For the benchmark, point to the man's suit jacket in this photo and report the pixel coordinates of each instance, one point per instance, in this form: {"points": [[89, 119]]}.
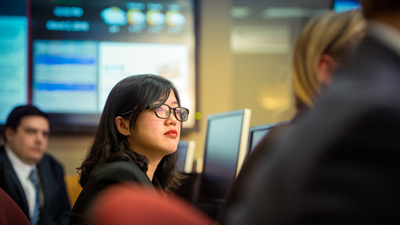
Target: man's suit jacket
{"points": [[102, 176], [341, 163], [56, 208]]}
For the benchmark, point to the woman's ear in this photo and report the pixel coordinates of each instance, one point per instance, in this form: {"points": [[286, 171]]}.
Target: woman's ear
{"points": [[325, 69], [122, 125]]}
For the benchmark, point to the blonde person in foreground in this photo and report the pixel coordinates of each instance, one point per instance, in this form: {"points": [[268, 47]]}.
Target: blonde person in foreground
{"points": [[325, 43], [340, 164]]}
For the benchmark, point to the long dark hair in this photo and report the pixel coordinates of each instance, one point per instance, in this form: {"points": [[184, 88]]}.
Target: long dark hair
{"points": [[135, 93]]}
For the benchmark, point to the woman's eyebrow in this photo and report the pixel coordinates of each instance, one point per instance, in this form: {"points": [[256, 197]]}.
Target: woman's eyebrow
{"points": [[161, 102], [175, 103]]}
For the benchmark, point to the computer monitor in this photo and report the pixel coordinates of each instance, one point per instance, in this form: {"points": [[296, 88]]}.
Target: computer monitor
{"points": [[225, 150], [185, 156], [257, 133]]}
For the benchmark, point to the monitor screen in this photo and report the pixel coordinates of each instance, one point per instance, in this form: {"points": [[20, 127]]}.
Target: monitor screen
{"points": [[257, 133], [185, 156], [69, 54], [14, 89], [345, 5], [225, 149]]}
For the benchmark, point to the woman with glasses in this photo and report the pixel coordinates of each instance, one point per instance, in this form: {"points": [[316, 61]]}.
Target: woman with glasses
{"points": [[136, 140]]}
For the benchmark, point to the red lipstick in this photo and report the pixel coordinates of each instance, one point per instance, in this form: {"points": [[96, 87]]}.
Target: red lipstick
{"points": [[171, 133]]}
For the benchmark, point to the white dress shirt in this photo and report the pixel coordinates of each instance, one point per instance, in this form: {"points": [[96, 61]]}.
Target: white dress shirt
{"points": [[23, 170]]}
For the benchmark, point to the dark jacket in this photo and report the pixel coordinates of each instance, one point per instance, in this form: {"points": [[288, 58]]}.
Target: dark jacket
{"points": [[56, 208], [102, 176]]}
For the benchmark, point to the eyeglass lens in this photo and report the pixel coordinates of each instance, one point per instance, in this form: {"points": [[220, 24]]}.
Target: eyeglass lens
{"points": [[164, 111]]}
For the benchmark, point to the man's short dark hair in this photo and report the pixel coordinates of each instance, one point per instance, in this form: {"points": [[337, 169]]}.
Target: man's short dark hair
{"points": [[371, 7], [18, 113]]}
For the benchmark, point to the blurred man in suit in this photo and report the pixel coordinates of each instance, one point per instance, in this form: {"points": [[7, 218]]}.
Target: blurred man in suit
{"points": [[34, 179], [340, 164]]}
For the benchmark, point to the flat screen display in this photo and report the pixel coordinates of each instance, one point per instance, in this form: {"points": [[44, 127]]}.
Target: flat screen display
{"points": [[226, 140], [257, 133], [185, 156], [75, 51], [14, 88]]}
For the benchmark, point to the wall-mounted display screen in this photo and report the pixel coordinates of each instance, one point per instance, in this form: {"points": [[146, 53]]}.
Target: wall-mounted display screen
{"points": [[14, 56], [76, 51]]}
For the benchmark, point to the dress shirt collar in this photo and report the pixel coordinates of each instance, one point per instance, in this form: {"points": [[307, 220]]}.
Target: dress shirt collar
{"points": [[386, 34], [22, 169]]}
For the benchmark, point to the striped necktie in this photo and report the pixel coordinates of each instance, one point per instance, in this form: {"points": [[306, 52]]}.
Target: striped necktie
{"points": [[36, 211]]}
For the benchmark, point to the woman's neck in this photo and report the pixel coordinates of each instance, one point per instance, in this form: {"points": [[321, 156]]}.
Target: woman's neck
{"points": [[151, 168]]}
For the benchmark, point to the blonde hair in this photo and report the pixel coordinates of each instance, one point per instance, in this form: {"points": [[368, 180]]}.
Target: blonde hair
{"points": [[332, 33]]}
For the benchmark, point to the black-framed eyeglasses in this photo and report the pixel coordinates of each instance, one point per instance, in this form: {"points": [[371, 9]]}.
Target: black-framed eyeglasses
{"points": [[163, 111]]}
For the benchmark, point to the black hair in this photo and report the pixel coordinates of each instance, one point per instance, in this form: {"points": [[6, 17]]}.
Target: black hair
{"points": [[18, 113], [134, 93]]}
